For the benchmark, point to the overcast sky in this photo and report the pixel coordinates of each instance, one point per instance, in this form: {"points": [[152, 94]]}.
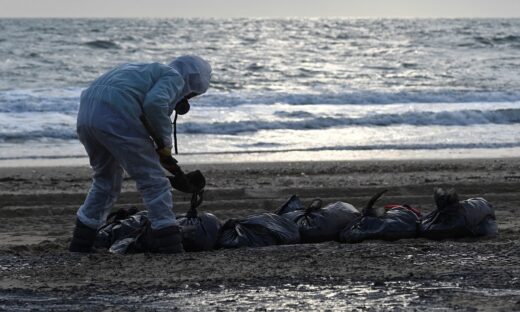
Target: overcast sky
{"points": [[260, 8]]}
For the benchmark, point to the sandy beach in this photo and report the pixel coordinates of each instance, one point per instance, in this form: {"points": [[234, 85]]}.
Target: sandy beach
{"points": [[37, 211]]}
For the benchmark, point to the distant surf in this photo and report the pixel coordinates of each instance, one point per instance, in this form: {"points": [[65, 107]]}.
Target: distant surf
{"points": [[330, 88]]}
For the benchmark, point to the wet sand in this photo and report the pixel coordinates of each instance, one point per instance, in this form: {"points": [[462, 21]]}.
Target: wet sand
{"points": [[37, 207]]}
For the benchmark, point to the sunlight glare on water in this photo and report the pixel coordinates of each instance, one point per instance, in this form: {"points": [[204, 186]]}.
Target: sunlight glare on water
{"points": [[353, 296]]}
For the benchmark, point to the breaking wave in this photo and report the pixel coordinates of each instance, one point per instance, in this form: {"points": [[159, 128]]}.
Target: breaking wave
{"points": [[497, 40], [67, 100], [58, 133], [65, 129], [222, 99], [53, 100], [425, 118]]}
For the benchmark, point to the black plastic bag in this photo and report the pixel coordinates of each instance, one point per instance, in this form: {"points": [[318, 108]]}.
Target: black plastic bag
{"points": [[258, 231], [129, 231], [104, 237], [292, 204], [391, 223], [124, 235], [319, 224], [473, 217], [200, 231]]}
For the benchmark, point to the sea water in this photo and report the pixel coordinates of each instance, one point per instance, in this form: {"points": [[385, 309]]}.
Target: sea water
{"points": [[282, 89]]}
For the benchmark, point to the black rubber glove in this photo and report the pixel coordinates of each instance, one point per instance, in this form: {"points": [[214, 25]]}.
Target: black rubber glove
{"points": [[168, 162], [192, 182]]}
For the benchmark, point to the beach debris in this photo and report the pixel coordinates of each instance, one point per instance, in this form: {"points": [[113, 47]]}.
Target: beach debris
{"points": [[124, 235], [200, 231], [259, 230], [104, 236], [129, 231], [316, 223], [292, 204], [473, 217], [391, 223]]}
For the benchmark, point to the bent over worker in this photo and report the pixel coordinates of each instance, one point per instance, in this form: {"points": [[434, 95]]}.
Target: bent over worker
{"points": [[115, 139]]}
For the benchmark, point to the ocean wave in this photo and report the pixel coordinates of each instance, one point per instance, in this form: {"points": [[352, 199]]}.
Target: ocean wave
{"points": [[42, 157], [50, 133], [61, 126], [223, 99], [425, 118], [67, 99], [102, 44], [296, 114], [37, 126], [497, 40], [54, 100]]}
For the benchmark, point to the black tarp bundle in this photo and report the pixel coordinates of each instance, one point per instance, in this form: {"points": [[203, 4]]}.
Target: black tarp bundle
{"points": [[292, 204], [392, 223], [104, 236], [258, 231], [473, 217], [200, 231], [316, 223], [129, 231], [125, 231]]}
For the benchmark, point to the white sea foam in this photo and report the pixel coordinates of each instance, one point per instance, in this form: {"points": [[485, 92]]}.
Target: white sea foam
{"points": [[42, 125], [424, 118], [67, 99]]}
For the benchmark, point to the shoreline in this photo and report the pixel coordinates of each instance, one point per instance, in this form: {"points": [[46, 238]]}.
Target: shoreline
{"points": [[292, 156], [78, 162]]}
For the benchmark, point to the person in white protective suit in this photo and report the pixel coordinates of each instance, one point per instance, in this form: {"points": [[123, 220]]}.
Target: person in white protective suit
{"points": [[115, 139]]}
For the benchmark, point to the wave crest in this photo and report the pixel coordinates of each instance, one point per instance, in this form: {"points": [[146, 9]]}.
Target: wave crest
{"points": [[67, 100], [102, 44], [443, 118]]}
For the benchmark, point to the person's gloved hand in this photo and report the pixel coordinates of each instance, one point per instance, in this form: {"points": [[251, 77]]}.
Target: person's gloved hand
{"points": [[168, 162], [191, 182]]}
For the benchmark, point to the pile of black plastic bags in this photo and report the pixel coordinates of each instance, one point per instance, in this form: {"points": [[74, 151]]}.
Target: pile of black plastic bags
{"points": [[127, 230]]}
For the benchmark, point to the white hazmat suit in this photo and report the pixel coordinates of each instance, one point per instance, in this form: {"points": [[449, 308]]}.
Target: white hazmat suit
{"points": [[115, 139]]}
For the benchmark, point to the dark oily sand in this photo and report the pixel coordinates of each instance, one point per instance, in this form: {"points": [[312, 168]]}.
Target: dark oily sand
{"points": [[37, 208]]}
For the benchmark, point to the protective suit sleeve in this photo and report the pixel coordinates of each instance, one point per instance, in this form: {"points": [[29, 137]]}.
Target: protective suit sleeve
{"points": [[156, 105]]}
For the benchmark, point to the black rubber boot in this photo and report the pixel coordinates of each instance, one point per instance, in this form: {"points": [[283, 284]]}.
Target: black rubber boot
{"points": [[83, 238], [167, 240]]}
